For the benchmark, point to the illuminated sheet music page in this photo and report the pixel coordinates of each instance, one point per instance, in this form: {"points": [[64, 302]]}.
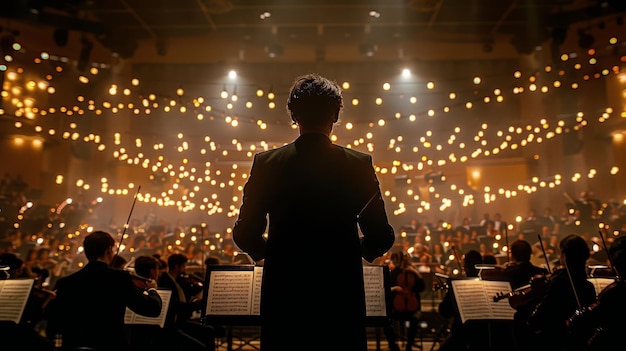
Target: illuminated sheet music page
{"points": [[374, 291], [231, 292], [256, 290], [600, 283], [131, 317], [474, 299], [14, 294]]}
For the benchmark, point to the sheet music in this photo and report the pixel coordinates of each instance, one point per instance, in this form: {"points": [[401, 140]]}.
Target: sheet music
{"points": [[14, 294], [256, 290], [238, 292], [134, 318], [374, 291], [600, 283], [474, 299], [230, 292]]}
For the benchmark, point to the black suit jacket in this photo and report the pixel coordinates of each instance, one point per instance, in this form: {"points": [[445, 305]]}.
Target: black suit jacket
{"points": [[316, 195], [179, 310], [90, 305]]}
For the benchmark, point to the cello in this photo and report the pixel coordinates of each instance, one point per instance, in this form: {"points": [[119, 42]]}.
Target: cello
{"points": [[408, 281]]}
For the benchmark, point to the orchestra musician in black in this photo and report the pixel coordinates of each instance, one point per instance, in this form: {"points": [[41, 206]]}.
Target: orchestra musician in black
{"points": [[24, 335], [144, 337], [89, 307], [521, 273], [407, 284], [181, 331], [566, 291], [316, 195], [463, 336], [602, 325]]}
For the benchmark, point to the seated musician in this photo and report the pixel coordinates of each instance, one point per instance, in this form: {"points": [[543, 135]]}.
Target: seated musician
{"points": [[602, 325], [566, 291], [142, 336], [520, 272], [406, 285], [25, 334], [90, 304], [180, 332], [462, 336]]}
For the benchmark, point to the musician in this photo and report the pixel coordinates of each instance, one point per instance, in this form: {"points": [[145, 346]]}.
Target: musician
{"points": [[25, 334], [142, 337], [90, 304], [317, 195], [566, 291], [180, 310], [466, 336], [406, 286], [602, 325], [147, 267], [520, 271]]}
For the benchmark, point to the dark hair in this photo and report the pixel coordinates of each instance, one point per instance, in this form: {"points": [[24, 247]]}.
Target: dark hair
{"points": [[396, 257], [521, 250], [161, 263], [118, 261], [176, 259], [471, 259], [144, 264], [212, 260], [314, 99], [96, 244], [575, 249], [12, 261], [489, 258]]}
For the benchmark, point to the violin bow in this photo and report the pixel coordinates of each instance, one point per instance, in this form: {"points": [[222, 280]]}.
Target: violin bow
{"points": [[544, 252], [569, 275], [608, 254], [128, 220]]}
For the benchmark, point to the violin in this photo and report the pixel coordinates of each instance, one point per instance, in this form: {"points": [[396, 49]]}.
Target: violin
{"points": [[143, 283], [191, 284], [527, 295]]}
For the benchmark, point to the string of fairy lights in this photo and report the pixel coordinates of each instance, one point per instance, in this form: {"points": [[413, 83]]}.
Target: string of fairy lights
{"points": [[206, 173]]}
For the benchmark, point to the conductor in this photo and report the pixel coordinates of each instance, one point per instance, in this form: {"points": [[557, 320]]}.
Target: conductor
{"points": [[316, 195]]}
